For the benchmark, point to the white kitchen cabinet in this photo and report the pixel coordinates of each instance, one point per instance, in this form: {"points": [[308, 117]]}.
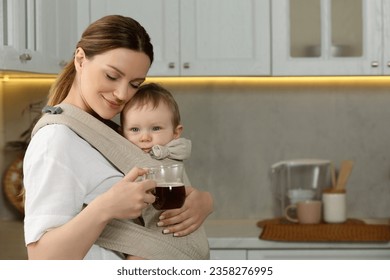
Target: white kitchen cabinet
{"points": [[289, 253], [14, 41], [320, 254], [226, 254], [56, 31], [330, 37], [37, 36], [239, 239], [201, 37], [225, 37], [296, 253], [160, 19], [385, 11]]}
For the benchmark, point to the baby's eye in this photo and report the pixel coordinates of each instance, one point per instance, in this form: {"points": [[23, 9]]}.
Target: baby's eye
{"points": [[134, 129], [156, 128]]}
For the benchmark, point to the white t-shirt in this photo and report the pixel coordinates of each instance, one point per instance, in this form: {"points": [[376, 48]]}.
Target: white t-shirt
{"points": [[61, 173]]}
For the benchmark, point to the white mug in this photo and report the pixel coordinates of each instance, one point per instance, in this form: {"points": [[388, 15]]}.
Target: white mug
{"points": [[335, 207]]}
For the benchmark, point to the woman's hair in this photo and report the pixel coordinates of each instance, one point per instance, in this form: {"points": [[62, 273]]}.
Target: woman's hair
{"points": [[153, 94], [108, 33]]}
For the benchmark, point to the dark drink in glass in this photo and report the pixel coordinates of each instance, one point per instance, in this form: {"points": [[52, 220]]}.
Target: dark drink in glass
{"points": [[169, 196], [170, 191]]}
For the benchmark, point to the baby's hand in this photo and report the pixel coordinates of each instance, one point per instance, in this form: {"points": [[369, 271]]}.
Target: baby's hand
{"points": [[185, 220]]}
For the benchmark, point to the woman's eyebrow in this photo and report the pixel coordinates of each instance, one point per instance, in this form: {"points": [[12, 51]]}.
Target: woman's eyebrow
{"points": [[116, 69]]}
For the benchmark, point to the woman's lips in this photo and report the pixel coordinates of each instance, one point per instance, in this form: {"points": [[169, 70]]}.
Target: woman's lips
{"points": [[113, 104]]}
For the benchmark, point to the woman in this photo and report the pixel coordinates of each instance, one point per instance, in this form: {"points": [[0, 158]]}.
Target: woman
{"points": [[63, 173]]}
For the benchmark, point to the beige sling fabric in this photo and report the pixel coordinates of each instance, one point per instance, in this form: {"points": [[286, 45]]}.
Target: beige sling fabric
{"points": [[126, 236], [179, 149]]}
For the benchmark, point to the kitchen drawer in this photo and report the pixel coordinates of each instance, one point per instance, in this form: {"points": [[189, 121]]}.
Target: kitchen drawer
{"points": [[227, 254], [316, 254]]}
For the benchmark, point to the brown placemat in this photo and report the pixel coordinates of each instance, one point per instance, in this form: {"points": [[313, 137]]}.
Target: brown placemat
{"points": [[352, 230]]}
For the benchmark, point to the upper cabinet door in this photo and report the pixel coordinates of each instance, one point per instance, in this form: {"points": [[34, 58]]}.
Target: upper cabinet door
{"points": [[56, 30], [160, 19], [225, 37], [38, 36], [217, 38], [17, 51], [386, 37], [327, 37]]}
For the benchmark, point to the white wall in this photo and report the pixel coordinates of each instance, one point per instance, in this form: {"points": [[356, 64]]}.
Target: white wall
{"points": [[239, 130]]}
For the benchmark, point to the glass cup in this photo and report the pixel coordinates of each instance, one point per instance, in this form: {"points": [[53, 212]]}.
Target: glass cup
{"points": [[170, 191]]}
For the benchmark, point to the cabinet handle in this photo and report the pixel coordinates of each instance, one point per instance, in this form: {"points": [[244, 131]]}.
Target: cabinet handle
{"points": [[186, 65], [388, 64], [171, 65], [25, 57], [374, 64]]}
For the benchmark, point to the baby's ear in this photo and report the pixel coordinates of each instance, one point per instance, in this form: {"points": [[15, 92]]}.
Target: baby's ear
{"points": [[177, 132]]}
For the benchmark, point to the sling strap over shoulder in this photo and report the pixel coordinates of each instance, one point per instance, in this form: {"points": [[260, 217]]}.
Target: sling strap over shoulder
{"points": [[124, 235]]}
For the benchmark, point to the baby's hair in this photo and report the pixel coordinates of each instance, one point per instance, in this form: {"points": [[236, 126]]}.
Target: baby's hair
{"points": [[154, 94]]}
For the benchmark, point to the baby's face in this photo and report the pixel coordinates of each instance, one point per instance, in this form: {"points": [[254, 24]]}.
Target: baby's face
{"points": [[147, 126]]}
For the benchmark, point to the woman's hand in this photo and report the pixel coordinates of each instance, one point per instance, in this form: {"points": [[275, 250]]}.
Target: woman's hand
{"points": [[127, 198], [185, 220]]}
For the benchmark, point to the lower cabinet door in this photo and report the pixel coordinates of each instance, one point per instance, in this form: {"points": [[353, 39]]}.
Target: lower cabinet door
{"points": [[223, 254], [326, 254]]}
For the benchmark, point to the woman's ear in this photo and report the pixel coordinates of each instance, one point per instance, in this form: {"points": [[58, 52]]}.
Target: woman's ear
{"points": [[79, 58], [177, 132]]}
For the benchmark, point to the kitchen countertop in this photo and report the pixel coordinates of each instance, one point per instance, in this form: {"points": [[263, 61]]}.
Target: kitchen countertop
{"points": [[222, 234], [244, 234]]}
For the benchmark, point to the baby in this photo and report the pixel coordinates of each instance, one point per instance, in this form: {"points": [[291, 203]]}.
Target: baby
{"points": [[151, 121]]}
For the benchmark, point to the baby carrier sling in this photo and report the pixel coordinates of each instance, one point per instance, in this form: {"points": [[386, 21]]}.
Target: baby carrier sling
{"points": [[143, 239]]}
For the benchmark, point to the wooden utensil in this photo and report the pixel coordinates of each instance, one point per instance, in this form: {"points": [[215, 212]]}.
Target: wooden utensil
{"points": [[333, 175], [345, 171]]}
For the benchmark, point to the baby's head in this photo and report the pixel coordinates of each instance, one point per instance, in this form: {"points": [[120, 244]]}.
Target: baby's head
{"points": [[151, 117]]}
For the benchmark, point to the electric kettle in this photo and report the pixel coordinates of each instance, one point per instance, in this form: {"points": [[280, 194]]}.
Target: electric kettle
{"points": [[298, 180]]}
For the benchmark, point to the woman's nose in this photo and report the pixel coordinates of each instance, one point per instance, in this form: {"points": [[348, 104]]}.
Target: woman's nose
{"points": [[124, 93]]}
